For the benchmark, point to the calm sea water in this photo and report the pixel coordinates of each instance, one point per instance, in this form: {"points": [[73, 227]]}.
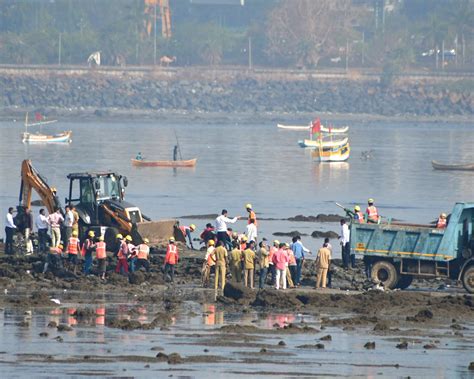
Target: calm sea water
{"points": [[256, 163]]}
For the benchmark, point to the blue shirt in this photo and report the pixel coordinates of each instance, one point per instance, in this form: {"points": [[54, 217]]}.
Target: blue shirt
{"points": [[299, 250]]}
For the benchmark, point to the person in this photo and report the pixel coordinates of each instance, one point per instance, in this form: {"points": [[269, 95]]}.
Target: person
{"points": [[291, 267], [220, 257], [187, 230], [249, 264], [372, 213], [243, 242], [175, 153], [73, 247], [42, 226], [280, 260], [53, 258], [442, 221], [298, 251], [263, 258], [28, 231], [10, 229], [271, 265], [344, 239], [171, 259], [101, 255], [252, 215], [143, 255], [122, 253], [139, 156], [55, 219], [358, 215], [209, 263], [235, 262], [323, 261], [68, 223], [132, 253], [252, 231], [208, 234], [88, 247], [221, 228], [75, 223], [330, 270]]}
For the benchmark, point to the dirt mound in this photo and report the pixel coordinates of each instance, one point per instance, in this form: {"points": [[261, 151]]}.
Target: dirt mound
{"points": [[277, 299], [136, 278], [237, 291], [421, 316]]}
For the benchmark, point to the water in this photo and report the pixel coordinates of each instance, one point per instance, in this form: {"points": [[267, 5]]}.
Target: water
{"points": [[256, 163]]}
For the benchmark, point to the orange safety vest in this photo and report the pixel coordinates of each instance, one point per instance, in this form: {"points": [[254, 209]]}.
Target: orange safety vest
{"points": [[243, 246], [372, 213], [360, 217], [171, 254], [100, 252], [143, 251], [272, 252], [441, 224], [210, 257], [122, 253], [291, 258], [254, 216], [72, 247]]}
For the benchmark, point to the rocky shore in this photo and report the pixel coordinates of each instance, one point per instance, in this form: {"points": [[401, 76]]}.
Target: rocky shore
{"points": [[244, 92]]}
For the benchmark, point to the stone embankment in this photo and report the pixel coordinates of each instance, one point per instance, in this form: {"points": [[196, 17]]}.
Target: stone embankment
{"points": [[192, 90]]}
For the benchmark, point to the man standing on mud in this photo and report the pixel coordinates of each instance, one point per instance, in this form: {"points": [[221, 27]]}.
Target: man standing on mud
{"points": [[263, 254], [249, 264], [42, 226], [221, 228], [68, 223], [345, 244], [55, 221], [235, 262], [122, 263], [10, 229], [298, 250], [220, 255], [323, 260], [280, 260]]}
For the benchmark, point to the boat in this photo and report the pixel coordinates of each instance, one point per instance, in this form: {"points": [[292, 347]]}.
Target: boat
{"points": [[177, 163], [27, 137], [453, 167], [328, 143], [324, 129], [332, 154]]}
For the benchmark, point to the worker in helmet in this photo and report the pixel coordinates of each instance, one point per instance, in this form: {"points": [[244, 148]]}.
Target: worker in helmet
{"points": [[171, 259], [73, 248], [122, 264], [54, 258], [235, 262], [132, 253], [88, 248], [372, 213], [358, 215], [209, 263], [187, 230], [252, 215], [101, 255], [143, 254], [442, 221]]}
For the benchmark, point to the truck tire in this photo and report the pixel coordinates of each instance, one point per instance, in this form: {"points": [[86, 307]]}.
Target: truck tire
{"points": [[386, 273], [468, 279], [404, 282], [110, 239]]}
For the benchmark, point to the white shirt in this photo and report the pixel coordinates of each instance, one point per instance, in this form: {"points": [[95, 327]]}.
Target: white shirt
{"points": [[251, 232], [345, 234], [69, 219], [42, 222], [10, 223], [221, 221]]}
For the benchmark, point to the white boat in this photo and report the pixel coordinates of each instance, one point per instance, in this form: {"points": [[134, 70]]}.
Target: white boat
{"points": [[293, 127], [332, 154], [27, 137], [317, 144], [324, 129]]}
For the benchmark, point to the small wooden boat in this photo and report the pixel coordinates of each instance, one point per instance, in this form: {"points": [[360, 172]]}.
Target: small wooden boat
{"points": [[328, 143], [324, 129], [332, 154], [177, 163], [454, 167], [64, 137], [293, 127]]}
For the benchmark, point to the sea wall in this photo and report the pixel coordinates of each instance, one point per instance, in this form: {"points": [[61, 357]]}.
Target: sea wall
{"points": [[228, 91]]}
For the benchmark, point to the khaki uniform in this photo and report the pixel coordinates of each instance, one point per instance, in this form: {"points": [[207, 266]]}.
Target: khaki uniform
{"points": [[323, 260], [235, 267], [220, 255], [249, 266]]}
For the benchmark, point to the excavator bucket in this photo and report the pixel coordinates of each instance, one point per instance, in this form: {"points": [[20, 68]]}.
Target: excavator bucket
{"points": [[157, 231]]}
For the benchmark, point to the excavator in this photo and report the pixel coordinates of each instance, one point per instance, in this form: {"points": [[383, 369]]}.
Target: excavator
{"points": [[99, 201]]}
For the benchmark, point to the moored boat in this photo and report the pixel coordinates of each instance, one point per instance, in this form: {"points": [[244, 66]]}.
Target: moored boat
{"points": [[64, 137], [332, 154], [453, 167], [324, 129], [294, 127], [177, 163], [328, 143]]}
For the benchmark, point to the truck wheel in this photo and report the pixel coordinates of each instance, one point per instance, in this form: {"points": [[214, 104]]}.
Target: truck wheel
{"points": [[386, 273], [468, 279], [404, 282], [110, 239]]}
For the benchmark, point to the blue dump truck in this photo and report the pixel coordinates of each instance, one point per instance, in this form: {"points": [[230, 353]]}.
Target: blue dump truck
{"points": [[395, 253]]}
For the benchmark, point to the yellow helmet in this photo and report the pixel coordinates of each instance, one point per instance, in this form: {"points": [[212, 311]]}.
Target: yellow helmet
{"points": [[119, 236], [53, 189], [276, 242], [146, 240], [171, 239], [91, 233], [244, 238], [101, 238], [75, 233], [248, 206], [192, 227], [60, 246], [287, 245], [357, 208], [211, 243], [370, 201], [444, 215], [128, 238]]}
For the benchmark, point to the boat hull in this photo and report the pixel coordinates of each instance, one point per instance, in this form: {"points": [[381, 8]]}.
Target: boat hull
{"points": [[144, 163], [324, 129], [315, 144], [452, 167], [339, 154], [64, 137]]}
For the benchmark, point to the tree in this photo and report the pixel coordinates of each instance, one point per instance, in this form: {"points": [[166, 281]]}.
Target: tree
{"points": [[303, 31]]}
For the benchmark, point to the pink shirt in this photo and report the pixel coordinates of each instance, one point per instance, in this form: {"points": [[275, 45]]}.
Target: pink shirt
{"points": [[280, 259], [55, 219]]}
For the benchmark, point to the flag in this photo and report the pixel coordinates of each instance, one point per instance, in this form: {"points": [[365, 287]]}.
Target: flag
{"points": [[38, 116], [316, 128]]}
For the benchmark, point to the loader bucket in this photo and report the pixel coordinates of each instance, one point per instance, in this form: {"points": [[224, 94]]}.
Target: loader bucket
{"points": [[156, 231]]}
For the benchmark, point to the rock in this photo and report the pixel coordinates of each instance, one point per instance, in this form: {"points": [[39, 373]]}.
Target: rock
{"points": [[44, 334], [421, 316], [281, 343], [64, 328], [369, 345], [430, 346], [263, 350], [84, 313], [23, 324], [156, 348], [294, 233], [403, 345], [330, 234], [162, 357], [136, 278], [318, 346], [237, 291], [277, 299], [471, 366], [326, 338], [52, 324], [124, 324], [174, 358], [319, 218], [457, 327], [381, 327], [59, 339]]}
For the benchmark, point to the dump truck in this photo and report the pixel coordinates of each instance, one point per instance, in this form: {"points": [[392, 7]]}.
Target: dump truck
{"points": [[99, 198], [396, 253]]}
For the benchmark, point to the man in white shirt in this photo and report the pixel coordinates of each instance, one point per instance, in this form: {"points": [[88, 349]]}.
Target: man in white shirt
{"points": [[221, 228], [344, 239], [42, 226], [68, 222], [252, 231], [10, 229]]}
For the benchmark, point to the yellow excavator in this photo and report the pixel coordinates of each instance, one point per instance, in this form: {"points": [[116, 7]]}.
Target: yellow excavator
{"points": [[99, 201]]}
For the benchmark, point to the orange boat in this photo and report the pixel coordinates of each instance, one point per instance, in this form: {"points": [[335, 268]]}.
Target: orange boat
{"points": [[179, 163]]}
